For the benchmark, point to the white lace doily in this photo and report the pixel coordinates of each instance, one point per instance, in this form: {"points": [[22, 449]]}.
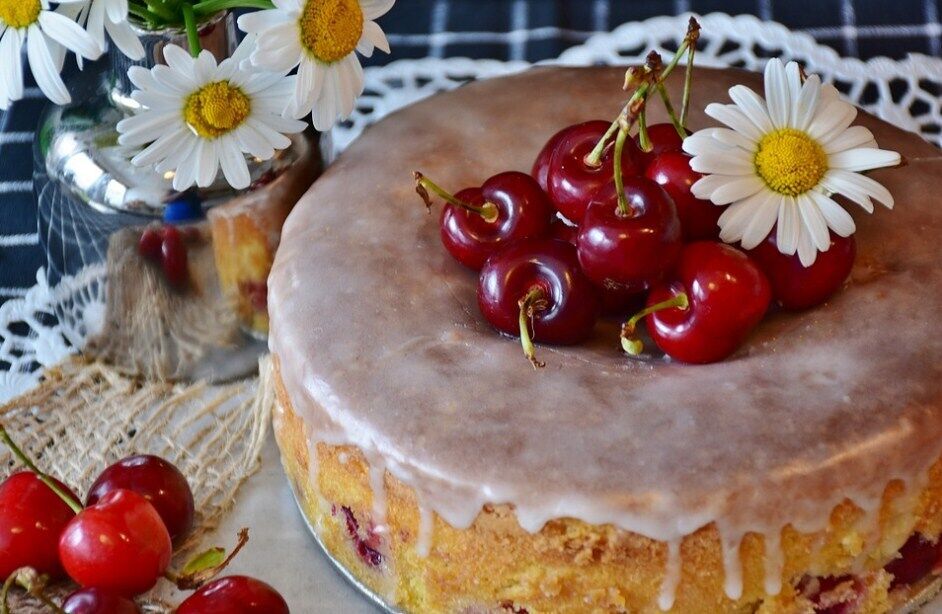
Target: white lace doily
{"points": [[906, 93]]}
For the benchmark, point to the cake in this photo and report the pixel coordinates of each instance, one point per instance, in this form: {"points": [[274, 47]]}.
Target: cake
{"points": [[446, 475]]}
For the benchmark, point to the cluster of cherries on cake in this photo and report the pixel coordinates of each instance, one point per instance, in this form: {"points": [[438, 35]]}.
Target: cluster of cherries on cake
{"points": [[118, 545], [606, 225]]}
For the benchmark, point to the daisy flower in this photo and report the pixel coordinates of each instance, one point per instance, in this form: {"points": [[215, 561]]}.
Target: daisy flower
{"points": [[106, 17], [46, 34], [199, 117], [321, 38], [782, 158]]}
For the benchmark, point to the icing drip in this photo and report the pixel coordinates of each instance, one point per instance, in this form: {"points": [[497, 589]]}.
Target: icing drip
{"points": [[665, 600], [774, 562], [423, 541], [732, 566], [378, 486]]}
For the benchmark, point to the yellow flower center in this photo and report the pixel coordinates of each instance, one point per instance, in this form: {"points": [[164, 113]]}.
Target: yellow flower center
{"points": [[790, 162], [331, 29], [19, 13], [216, 108]]}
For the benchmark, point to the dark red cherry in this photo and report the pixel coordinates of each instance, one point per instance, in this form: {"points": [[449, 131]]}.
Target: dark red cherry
{"points": [[234, 595], [538, 286], [476, 222], [797, 287], [698, 218], [96, 601], [119, 545], [149, 244], [156, 480], [32, 517], [704, 312], [173, 257], [633, 250], [618, 302], [563, 231], [832, 594], [664, 138], [540, 168], [916, 559], [572, 181]]}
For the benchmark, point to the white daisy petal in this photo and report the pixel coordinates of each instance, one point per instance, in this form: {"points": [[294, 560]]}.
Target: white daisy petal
{"points": [[69, 34], [807, 253], [814, 222], [125, 39], [766, 213], [838, 219], [777, 93], [732, 116], [375, 8], [788, 226], [864, 159], [259, 21], [752, 105], [858, 188], [736, 162], [375, 35], [837, 115], [738, 189], [43, 66], [11, 67], [807, 103], [793, 79], [117, 10], [855, 136], [233, 164], [736, 219], [706, 185]]}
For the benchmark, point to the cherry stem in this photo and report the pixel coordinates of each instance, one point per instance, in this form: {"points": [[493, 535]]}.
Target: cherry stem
{"points": [[693, 35], [533, 301], [623, 210], [669, 106], [423, 185], [33, 583], [644, 138], [634, 346], [45, 479]]}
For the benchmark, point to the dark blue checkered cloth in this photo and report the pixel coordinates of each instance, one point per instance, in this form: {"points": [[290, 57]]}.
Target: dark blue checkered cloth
{"points": [[506, 30]]}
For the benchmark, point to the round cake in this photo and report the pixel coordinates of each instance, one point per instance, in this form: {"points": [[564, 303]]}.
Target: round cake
{"points": [[447, 475]]}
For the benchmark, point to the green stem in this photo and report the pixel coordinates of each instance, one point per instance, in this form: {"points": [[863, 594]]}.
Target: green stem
{"points": [[192, 29], [634, 346], [209, 7], [594, 159], [688, 80], [5, 595], [423, 184], [162, 11], [535, 300], [644, 139], [145, 15], [45, 479], [623, 209], [669, 106]]}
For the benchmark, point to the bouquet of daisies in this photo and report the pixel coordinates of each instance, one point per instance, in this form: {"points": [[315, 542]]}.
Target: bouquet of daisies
{"points": [[199, 116]]}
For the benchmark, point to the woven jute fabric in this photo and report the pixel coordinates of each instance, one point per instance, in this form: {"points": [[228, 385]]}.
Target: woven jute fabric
{"points": [[85, 416]]}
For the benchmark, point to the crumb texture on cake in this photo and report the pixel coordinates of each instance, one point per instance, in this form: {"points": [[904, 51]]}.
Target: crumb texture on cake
{"points": [[382, 356]]}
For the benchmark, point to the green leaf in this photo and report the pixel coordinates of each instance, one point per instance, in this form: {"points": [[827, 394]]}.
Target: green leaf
{"points": [[209, 559]]}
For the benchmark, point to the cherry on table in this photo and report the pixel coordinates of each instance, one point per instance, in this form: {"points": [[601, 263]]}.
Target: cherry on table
{"points": [[93, 600], [664, 138], [476, 222], [705, 311], [150, 243], [32, 517], [540, 168], [156, 480], [698, 218], [915, 560], [119, 545], [234, 595], [795, 286], [563, 231], [633, 249], [572, 179], [538, 285], [173, 257]]}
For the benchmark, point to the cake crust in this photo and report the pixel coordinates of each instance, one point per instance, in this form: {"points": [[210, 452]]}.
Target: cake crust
{"points": [[380, 348]]}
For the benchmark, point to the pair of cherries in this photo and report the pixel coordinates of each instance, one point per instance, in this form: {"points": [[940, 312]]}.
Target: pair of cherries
{"points": [[557, 249], [118, 545], [166, 246]]}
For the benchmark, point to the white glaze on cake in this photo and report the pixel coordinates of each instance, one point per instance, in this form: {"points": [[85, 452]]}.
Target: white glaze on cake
{"points": [[380, 345]]}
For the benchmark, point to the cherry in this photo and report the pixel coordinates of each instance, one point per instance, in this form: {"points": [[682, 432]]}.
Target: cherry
{"points": [[93, 600], [156, 480], [664, 138], [916, 559], [572, 179], [32, 517], [367, 547], [476, 222], [698, 218], [119, 545], [563, 231], [797, 287], [150, 243], [540, 168], [234, 595], [716, 297], [173, 257], [538, 284], [632, 247]]}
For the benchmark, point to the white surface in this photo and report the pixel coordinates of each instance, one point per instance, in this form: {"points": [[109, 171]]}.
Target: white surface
{"points": [[280, 549]]}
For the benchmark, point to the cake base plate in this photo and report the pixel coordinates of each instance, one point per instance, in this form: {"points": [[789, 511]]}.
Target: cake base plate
{"points": [[343, 571]]}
